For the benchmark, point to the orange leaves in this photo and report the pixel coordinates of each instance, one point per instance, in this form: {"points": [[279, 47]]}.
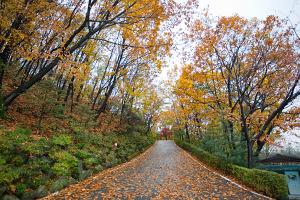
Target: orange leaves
{"points": [[233, 23], [242, 71], [198, 26]]}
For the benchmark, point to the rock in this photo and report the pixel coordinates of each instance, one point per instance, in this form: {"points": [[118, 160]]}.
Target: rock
{"points": [[80, 167], [98, 168], [84, 174], [28, 195], [41, 191], [10, 197], [59, 184], [2, 190], [107, 165], [72, 180]]}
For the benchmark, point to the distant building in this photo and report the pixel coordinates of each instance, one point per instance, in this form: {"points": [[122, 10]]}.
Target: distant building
{"points": [[288, 165]]}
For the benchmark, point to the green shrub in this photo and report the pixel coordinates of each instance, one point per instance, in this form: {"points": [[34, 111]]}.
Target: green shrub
{"points": [[8, 174], [64, 156], [20, 189], [65, 163], [58, 111], [82, 154], [90, 162], [123, 154], [39, 164], [269, 183], [27, 165], [111, 159], [2, 160], [62, 140], [35, 181], [62, 169], [13, 141], [38, 148], [21, 131], [18, 160]]}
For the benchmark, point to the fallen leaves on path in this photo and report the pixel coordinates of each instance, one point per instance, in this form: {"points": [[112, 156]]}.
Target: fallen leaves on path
{"points": [[163, 172]]}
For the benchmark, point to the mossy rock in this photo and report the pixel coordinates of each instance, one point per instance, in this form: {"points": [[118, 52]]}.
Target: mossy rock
{"points": [[59, 184], [41, 191], [72, 180], [28, 195], [98, 168], [84, 174], [2, 190], [38, 193], [10, 197], [107, 165]]}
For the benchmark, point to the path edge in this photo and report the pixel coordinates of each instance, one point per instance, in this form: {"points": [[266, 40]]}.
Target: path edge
{"points": [[218, 174], [104, 172]]}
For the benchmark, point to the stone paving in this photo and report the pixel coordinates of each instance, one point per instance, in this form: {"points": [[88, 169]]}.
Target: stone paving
{"points": [[164, 171]]}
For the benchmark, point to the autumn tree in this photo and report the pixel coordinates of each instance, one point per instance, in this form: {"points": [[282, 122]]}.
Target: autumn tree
{"points": [[71, 27], [246, 73]]}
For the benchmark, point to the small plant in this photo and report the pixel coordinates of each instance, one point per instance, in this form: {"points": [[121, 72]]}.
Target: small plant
{"points": [[62, 140], [29, 168], [20, 189]]}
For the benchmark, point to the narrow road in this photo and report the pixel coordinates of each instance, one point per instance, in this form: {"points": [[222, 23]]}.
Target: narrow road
{"points": [[165, 171]]}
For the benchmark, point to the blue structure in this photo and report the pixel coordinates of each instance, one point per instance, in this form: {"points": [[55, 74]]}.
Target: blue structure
{"points": [[288, 165]]}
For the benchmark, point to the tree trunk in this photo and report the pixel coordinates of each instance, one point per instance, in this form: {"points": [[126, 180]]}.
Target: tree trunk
{"points": [[2, 68], [96, 97], [113, 81], [229, 127], [69, 90], [232, 134], [6, 53], [61, 88], [4, 60], [187, 131], [79, 93], [123, 105], [149, 124], [250, 162], [72, 97], [93, 90], [8, 99], [103, 105]]}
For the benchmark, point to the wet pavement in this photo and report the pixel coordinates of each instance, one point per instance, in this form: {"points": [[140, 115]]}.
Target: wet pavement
{"points": [[164, 171]]}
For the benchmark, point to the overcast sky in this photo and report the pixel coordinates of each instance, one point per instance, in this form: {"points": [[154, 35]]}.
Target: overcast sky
{"points": [[254, 8], [245, 8]]}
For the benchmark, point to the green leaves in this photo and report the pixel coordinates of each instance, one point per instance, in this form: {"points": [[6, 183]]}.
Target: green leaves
{"points": [[269, 183], [61, 169], [27, 164], [38, 148], [65, 163], [8, 174], [62, 140]]}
